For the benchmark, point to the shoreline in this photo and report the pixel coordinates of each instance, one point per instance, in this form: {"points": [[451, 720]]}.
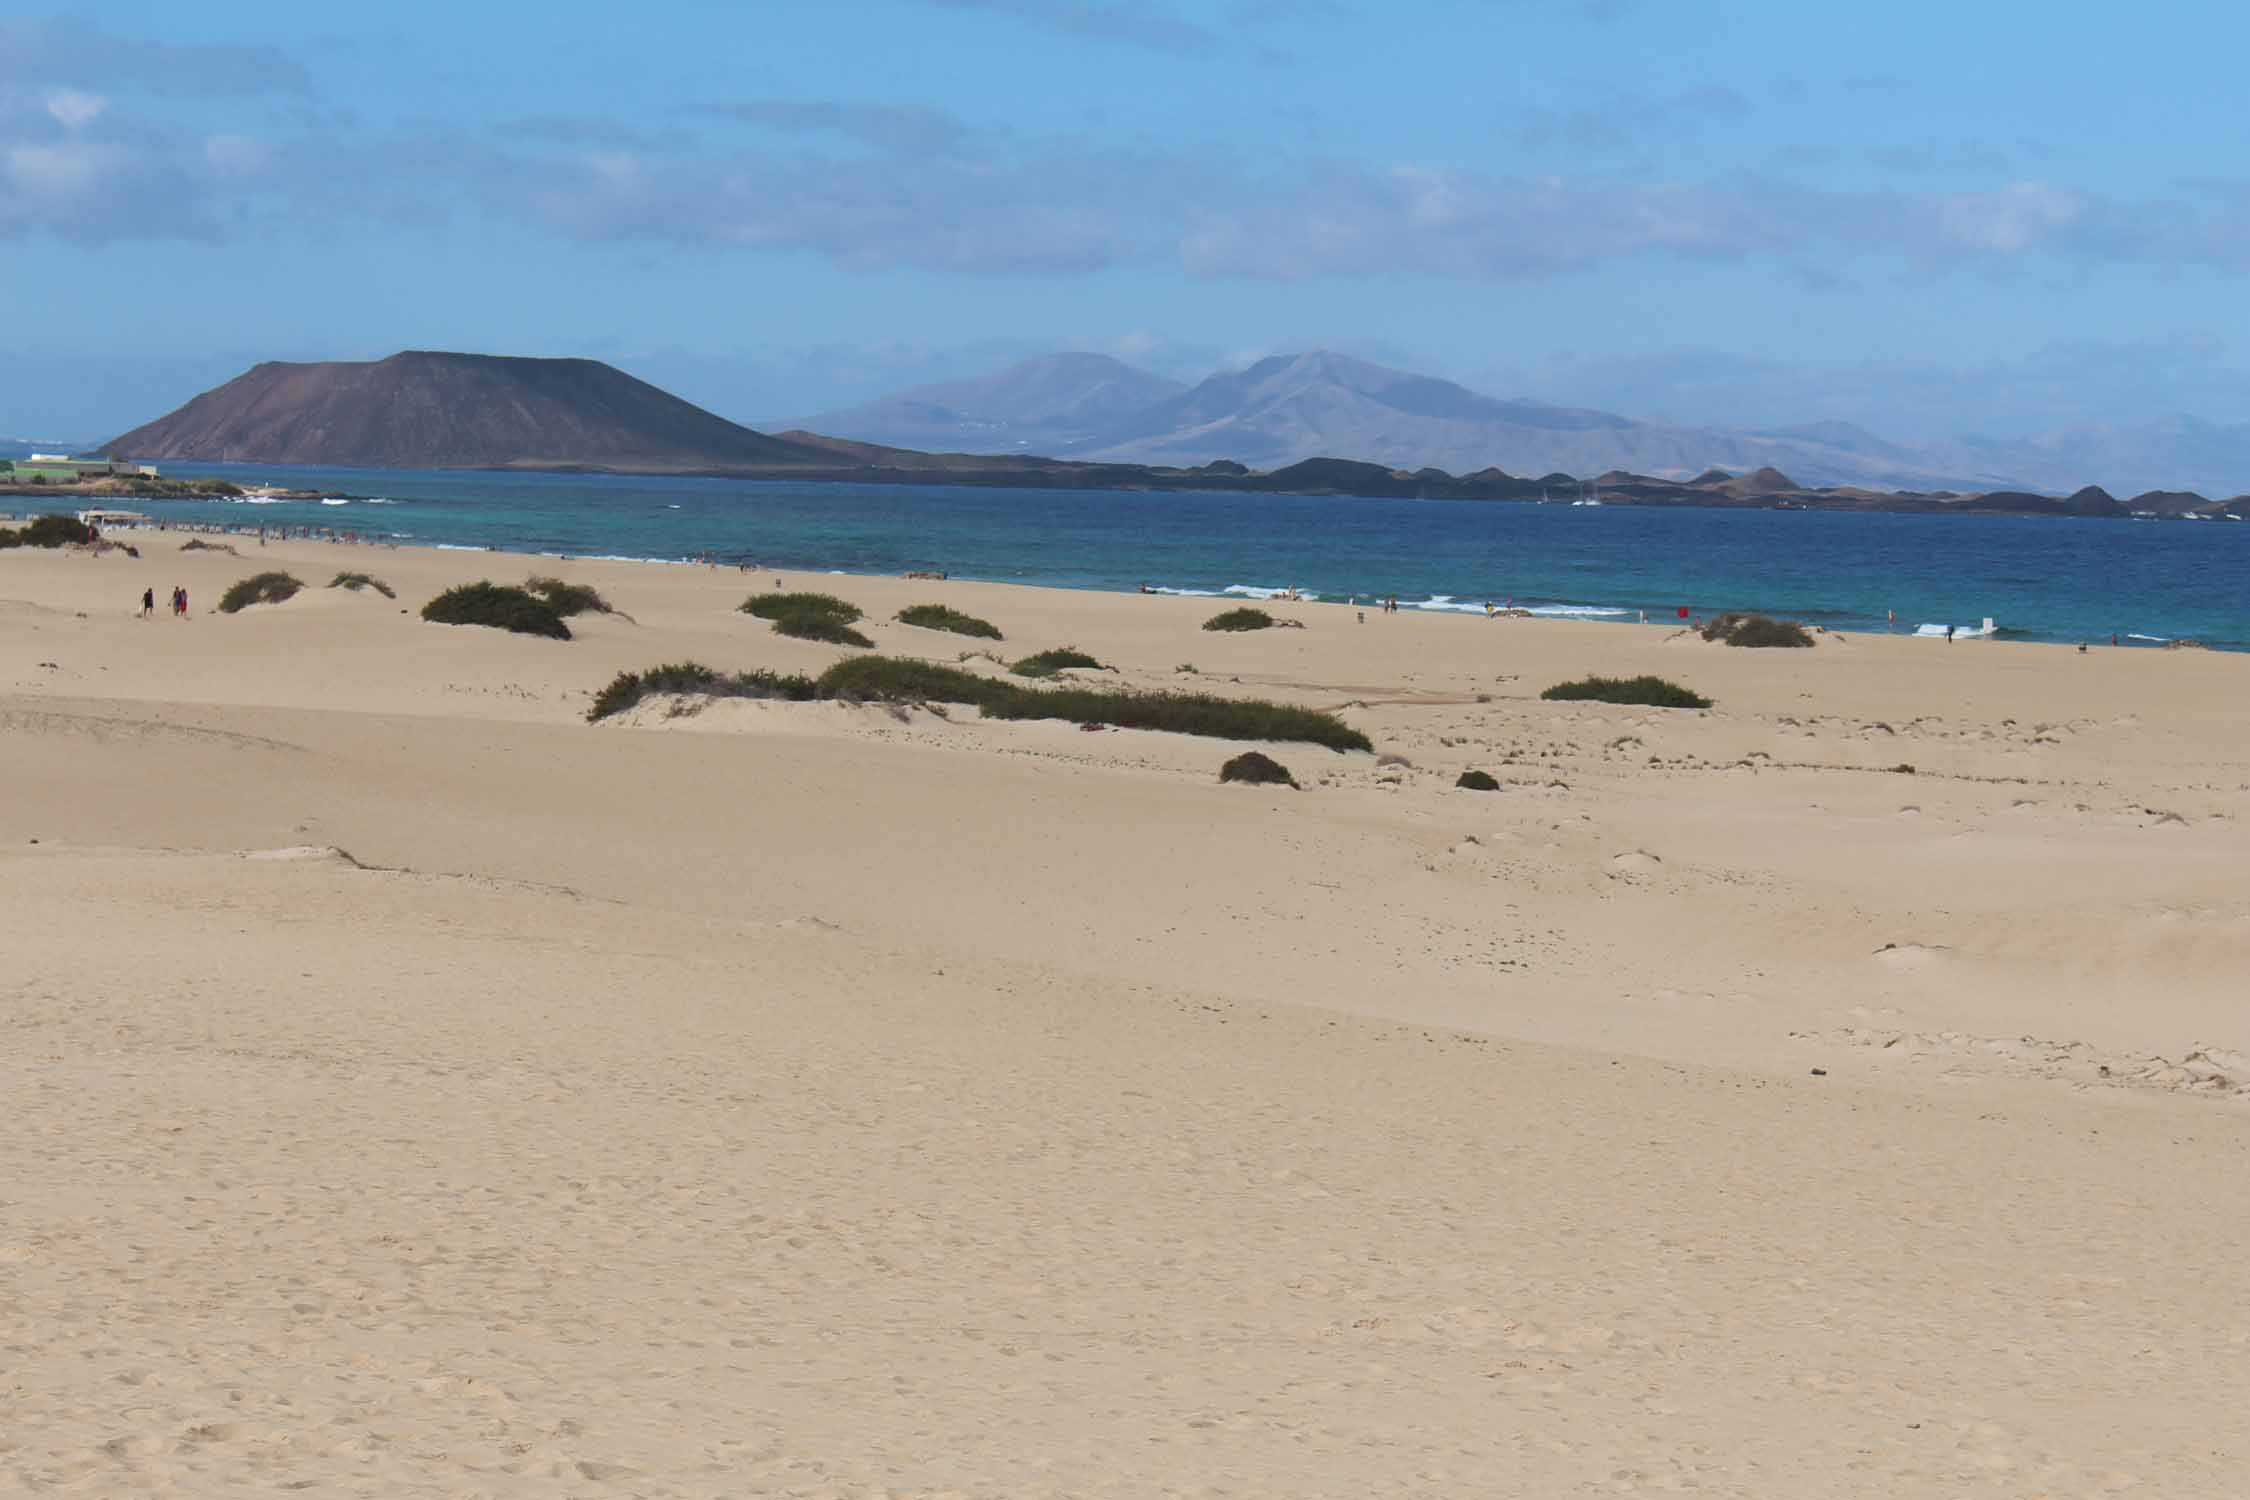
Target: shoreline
{"points": [[1573, 612]]}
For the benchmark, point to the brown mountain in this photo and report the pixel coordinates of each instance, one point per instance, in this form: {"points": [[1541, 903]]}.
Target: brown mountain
{"points": [[421, 410]]}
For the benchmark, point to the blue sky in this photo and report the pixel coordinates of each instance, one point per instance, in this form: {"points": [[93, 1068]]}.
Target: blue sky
{"points": [[1931, 219]]}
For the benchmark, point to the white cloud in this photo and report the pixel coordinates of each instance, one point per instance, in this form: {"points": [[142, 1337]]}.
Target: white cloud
{"points": [[75, 109], [60, 169], [2014, 219]]}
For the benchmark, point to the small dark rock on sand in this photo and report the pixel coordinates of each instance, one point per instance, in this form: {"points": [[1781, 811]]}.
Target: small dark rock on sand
{"points": [[1256, 769]]}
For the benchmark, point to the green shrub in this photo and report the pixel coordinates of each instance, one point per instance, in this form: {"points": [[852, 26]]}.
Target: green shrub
{"points": [[945, 617], [357, 581], [1253, 768], [1188, 713], [1477, 781], [1048, 663], [1240, 619], [499, 606], [775, 606], [809, 617], [197, 544], [259, 588], [1756, 630], [567, 599], [57, 531], [1643, 692], [886, 677], [874, 678], [628, 688], [824, 628]]}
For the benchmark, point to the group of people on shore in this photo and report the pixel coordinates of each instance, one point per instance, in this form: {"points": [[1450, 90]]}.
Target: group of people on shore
{"points": [[179, 604]]}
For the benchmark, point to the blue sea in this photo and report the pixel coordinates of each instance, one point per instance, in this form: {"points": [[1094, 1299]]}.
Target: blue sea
{"points": [[2052, 579]]}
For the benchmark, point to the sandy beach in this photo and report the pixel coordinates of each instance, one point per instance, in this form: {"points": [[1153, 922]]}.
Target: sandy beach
{"points": [[417, 1090]]}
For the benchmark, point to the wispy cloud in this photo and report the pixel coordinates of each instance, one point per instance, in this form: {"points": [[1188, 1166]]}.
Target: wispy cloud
{"points": [[1133, 23], [898, 129], [879, 185], [1623, 123], [591, 131], [74, 50]]}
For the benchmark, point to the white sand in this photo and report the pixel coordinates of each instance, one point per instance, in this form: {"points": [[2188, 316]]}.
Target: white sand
{"points": [[806, 1100]]}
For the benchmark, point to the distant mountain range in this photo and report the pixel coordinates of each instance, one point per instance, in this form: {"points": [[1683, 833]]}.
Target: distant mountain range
{"points": [[1289, 408], [422, 410], [1054, 406]]}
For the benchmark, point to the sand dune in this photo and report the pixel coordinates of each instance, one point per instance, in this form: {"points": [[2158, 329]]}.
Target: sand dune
{"points": [[418, 1090]]}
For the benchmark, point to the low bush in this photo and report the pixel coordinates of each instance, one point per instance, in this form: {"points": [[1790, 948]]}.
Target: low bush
{"points": [[809, 617], [567, 599], [774, 606], [1187, 713], [1477, 781], [1061, 658], [1903, 768], [886, 677], [1756, 630], [1240, 619], [259, 588], [945, 617], [823, 628], [358, 581], [628, 688], [56, 531], [499, 606], [197, 544], [877, 678], [1640, 692], [1252, 768]]}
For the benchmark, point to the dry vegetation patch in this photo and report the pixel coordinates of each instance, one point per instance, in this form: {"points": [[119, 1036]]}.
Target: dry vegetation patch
{"points": [[1757, 631], [259, 588], [1637, 692], [945, 617]]}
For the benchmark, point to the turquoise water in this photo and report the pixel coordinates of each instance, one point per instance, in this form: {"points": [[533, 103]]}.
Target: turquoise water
{"points": [[2040, 578]]}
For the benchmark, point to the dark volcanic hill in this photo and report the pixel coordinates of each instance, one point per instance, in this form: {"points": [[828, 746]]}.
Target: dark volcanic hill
{"points": [[420, 410]]}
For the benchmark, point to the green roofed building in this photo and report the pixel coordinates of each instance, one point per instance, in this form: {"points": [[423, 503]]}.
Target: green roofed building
{"points": [[67, 470]]}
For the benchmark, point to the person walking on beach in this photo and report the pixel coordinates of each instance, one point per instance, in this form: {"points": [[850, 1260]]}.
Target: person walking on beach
{"points": [[148, 603]]}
